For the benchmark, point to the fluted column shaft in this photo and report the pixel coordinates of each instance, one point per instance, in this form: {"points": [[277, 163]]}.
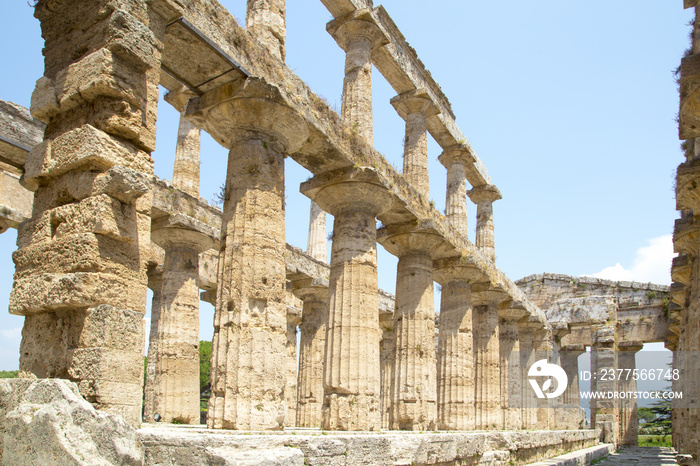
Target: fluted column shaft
{"points": [[510, 371], [526, 337], [155, 281], [414, 397], [486, 363], [311, 356], [351, 379], [484, 197], [415, 107], [186, 168], [356, 110], [387, 349], [292, 389], [455, 358], [265, 19], [456, 160], [569, 362], [316, 245], [629, 421], [248, 350], [176, 382], [605, 415]]}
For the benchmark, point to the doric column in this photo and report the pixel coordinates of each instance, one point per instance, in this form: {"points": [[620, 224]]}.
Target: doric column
{"points": [[487, 378], [456, 160], [155, 280], [176, 347], [605, 413], [413, 403], [312, 341], [186, 168], [81, 264], [415, 107], [530, 334], [358, 35], [629, 422], [249, 360], [569, 413], [316, 245], [455, 348], [509, 313], [351, 378], [387, 349], [294, 317], [265, 19], [484, 197]]}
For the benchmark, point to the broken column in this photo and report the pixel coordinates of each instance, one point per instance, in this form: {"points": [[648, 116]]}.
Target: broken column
{"points": [[415, 107], [176, 381], [265, 19], [351, 378], [487, 401], [314, 294], [629, 422], [81, 264], [358, 35], [456, 160], [249, 360], [484, 196]]}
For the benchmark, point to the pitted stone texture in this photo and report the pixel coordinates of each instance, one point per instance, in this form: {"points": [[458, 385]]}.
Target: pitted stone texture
{"points": [[249, 361], [487, 402], [265, 19], [185, 446], [47, 422]]}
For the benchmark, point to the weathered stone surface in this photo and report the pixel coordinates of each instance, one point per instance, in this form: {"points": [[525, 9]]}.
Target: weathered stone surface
{"points": [[180, 446], [48, 422]]}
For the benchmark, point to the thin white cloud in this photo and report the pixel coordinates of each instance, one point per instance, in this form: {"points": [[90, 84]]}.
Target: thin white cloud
{"points": [[652, 263]]}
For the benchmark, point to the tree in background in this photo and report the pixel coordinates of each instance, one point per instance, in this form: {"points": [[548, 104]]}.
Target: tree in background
{"points": [[645, 415], [204, 371]]}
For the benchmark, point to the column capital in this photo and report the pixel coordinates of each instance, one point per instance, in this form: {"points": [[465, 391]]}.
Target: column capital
{"points": [[460, 153], [415, 101], [309, 289], [512, 310], [248, 108], [183, 230], [359, 23], [485, 192], [348, 189], [454, 269], [408, 238]]}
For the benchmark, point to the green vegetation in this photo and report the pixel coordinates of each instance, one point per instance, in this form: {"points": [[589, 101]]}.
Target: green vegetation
{"points": [[654, 441], [8, 374], [204, 372], [646, 414]]}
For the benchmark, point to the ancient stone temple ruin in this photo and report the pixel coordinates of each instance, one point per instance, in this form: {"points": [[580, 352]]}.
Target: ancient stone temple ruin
{"points": [[96, 228]]}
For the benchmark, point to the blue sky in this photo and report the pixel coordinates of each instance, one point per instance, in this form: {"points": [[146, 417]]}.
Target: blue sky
{"points": [[570, 105]]}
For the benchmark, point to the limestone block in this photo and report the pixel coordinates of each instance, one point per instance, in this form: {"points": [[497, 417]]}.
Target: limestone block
{"points": [[15, 200], [55, 291], [100, 74], [84, 147], [230, 456], [44, 104], [78, 253], [47, 422]]}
